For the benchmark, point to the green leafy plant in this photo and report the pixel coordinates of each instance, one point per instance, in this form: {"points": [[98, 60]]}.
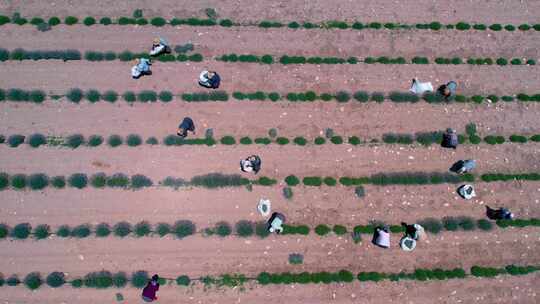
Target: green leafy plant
{"points": [[21, 231], [183, 280], [38, 181], [70, 20], [122, 229], [431, 225], [78, 180], [339, 229], [183, 228], [55, 279], [58, 182], [246, 141], [15, 140], [33, 280], [63, 231], [133, 140], [110, 96], [75, 95], [142, 229], [81, 231], [322, 229], [282, 141], [95, 140], [163, 229], [74, 141], [36, 140], [103, 230], [228, 140], [312, 181], [19, 181], [223, 229], [244, 228], [114, 140]]}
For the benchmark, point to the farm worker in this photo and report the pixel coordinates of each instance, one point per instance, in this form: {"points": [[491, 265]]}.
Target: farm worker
{"points": [[499, 214], [447, 90], [141, 67], [450, 139], [149, 292], [381, 237], [209, 79], [463, 166], [159, 46], [466, 192], [251, 164], [275, 222], [418, 87], [186, 125]]}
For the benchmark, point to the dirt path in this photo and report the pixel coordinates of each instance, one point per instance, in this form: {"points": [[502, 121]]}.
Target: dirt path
{"points": [[278, 162], [217, 41], [310, 205], [58, 76], [254, 119], [198, 256], [372, 10]]}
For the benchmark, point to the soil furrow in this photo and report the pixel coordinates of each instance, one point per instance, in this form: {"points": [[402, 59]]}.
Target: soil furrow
{"points": [[60, 76], [216, 41]]}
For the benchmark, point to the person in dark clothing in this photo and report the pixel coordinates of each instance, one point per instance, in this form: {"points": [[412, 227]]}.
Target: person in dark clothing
{"points": [[450, 139], [186, 125], [209, 79], [149, 292], [448, 90], [499, 214], [251, 164], [410, 231]]}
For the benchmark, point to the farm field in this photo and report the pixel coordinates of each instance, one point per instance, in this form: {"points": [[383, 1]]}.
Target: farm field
{"points": [[98, 193]]}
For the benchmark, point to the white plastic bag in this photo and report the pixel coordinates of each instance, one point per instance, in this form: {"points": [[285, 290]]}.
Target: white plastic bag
{"points": [[418, 87]]}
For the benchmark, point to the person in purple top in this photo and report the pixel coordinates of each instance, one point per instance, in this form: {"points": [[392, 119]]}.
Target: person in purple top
{"points": [[186, 125], [149, 292]]}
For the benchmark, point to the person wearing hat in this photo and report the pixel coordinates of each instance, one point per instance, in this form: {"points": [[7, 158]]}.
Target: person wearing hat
{"points": [[448, 90], [450, 139], [209, 79], [499, 214], [186, 125], [159, 46], [141, 67], [149, 292], [251, 164]]}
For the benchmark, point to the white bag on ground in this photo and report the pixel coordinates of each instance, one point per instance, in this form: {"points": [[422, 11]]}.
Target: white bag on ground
{"points": [[264, 207], [418, 87]]}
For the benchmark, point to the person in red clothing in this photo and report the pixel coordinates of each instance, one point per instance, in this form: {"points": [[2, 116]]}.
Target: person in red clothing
{"points": [[149, 292]]}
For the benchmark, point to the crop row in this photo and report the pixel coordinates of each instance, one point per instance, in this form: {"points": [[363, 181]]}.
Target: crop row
{"points": [[105, 279], [68, 55], [76, 95], [245, 228], [285, 59], [40, 181], [408, 178], [133, 140], [45, 25]]}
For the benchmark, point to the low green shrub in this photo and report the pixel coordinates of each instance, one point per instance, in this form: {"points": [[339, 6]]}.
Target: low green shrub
{"points": [[95, 140], [118, 180], [484, 224], [4, 231], [223, 229], [431, 225], [488, 272], [282, 141], [163, 229], [183, 228], [336, 140], [88, 21], [63, 231], [292, 180], [74, 141], [70, 20], [339, 229], [228, 140], [322, 229], [110, 96], [15, 140], [133, 140], [319, 141], [501, 61], [301, 141], [244, 228], [466, 223], [103, 230], [147, 96], [21, 231], [114, 140], [183, 280], [38, 181], [535, 138], [312, 181], [58, 182], [518, 138], [450, 223], [495, 27], [329, 181], [42, 231], [343, 96], [55, 279], [158, 21], [78, 180], [81, 231], [36, 140], [75, 95], [33, 280], [122, 229], [142, 229], [105, 21], [19, 181], [13, 280]]}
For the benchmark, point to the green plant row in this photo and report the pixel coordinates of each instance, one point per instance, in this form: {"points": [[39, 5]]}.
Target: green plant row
{"points": [[105, 279], [285, 59], [180, 229], [40, 181], [245, 228], [213, 21], [22, 54], [76, 95], [408, 178], [133, 140]]}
